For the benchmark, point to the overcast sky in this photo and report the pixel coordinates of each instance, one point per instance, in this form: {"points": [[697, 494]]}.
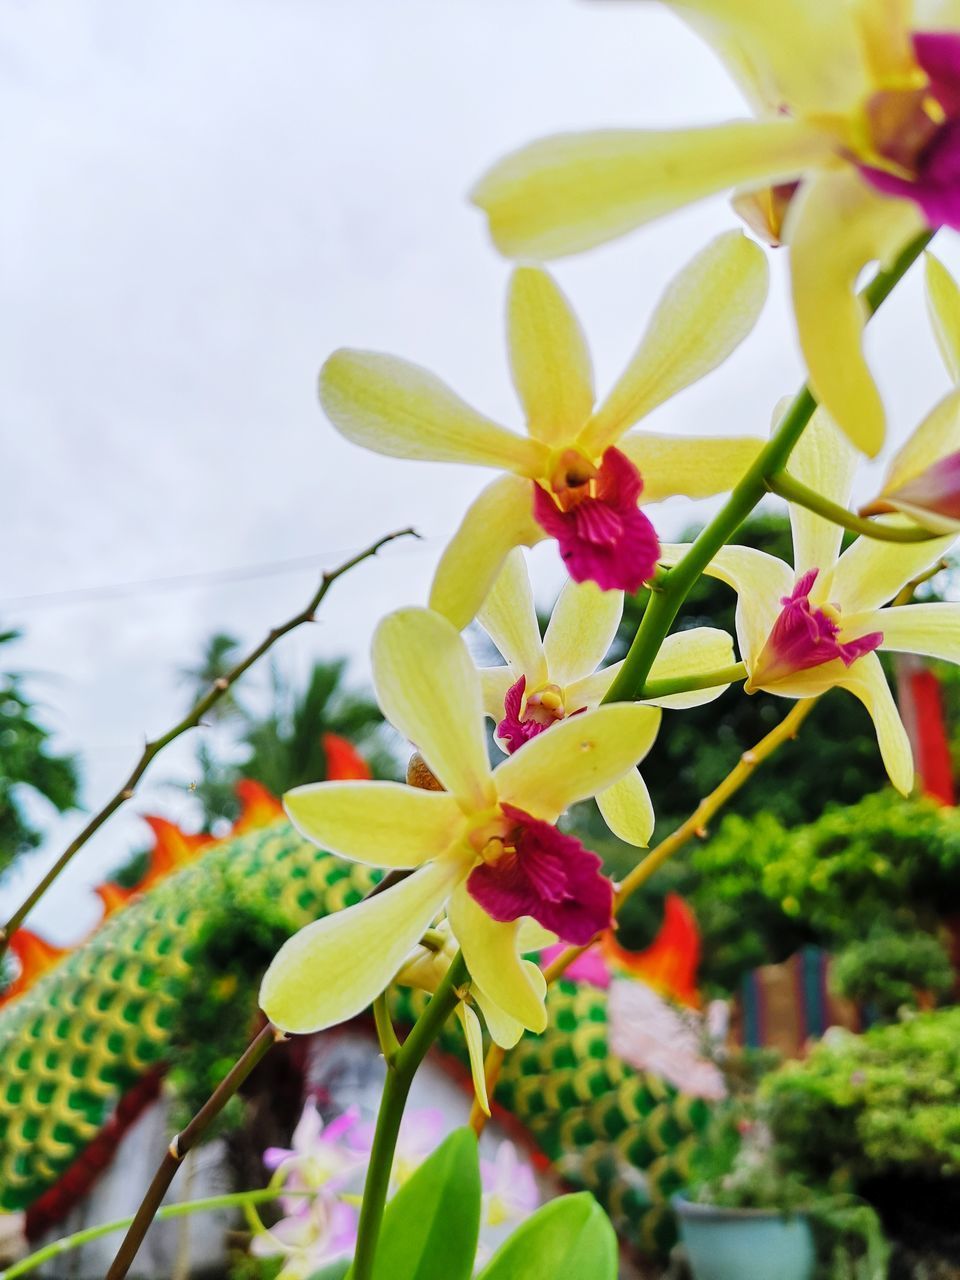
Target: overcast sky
{"points": [[202, 200]]}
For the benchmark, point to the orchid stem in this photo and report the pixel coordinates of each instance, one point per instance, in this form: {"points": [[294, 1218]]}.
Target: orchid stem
{"points": [[786, 486], [400, 1075], [389, 1044], [676, 584], [230, 1200], [690, 684]]}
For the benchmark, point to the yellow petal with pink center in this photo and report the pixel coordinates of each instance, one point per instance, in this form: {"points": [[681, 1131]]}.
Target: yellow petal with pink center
{"points": [[628, 810], [394, 407], [384, 824], [500, 519], [491, 952], [760, 580], [549, 357], [943, 306], [428, 688], [509, 617], [334, 968], [704, 315], [690, 466], [866, 680], [576, 758], [569, 192], [836, 225], [685, 654], [582, 628]]}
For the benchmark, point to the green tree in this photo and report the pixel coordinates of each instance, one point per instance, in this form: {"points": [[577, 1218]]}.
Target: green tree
{"points": [[27, 764], [218, 657]]}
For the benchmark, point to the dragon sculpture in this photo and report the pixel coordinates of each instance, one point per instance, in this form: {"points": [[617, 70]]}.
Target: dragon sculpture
{"points": [[86, 1033]]}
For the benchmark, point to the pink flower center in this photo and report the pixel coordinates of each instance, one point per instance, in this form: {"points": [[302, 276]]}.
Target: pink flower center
{"points": [[524, 720], [592, 512], [532, 869], [805, 636], [916, 132]]}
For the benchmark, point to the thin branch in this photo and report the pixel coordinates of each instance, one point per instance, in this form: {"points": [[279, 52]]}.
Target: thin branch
{"points": [[190, 721], [184, 1141]]}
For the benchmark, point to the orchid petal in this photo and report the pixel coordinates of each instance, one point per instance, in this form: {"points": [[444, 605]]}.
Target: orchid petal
{"points": [[509, 618], [932, 630], [582, 628], [692, 466], [334, 968], [628, 810], [937, 436], [590, 691], [394, 407], [576, 758], [801, 52], [569, 192], [943, 306], [504, 1030], [694, 652], [498, 520], [870, 572], [759, 579], [429, 690], [532, 935], [384, 824], [494, 684], [866, 680], [491, 955], [835, 226], [704, 315], [474, 1038], [549, 357], [824, 460]]}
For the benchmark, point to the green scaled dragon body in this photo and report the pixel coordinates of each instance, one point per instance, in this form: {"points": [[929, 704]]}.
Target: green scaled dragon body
{"points": [[109, 1015]]}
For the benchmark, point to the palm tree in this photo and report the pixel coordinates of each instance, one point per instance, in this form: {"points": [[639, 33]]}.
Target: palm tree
{"points": [[218, 657], [27, 765]]}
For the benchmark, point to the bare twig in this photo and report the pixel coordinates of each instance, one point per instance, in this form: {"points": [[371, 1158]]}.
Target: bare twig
{"points": [[190, 721]]}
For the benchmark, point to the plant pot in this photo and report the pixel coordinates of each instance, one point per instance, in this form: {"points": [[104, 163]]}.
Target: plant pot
{"points": [[744, 1244]]}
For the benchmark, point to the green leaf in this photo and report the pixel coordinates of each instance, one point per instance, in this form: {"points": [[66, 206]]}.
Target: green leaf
{"points": [[568, 1239], [431, 1225]]}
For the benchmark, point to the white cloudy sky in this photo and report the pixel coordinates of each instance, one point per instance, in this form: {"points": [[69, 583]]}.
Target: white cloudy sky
{"points": [[200, 202]]}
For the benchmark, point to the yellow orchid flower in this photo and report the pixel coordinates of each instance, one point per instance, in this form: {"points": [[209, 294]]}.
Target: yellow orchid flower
{"points": [[816, 625], [578, 473], [485, 847], [547, 680], [923, 479], [853, 152]]}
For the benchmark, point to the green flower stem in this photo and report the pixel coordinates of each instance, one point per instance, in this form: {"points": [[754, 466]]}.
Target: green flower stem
{"points": [[675, 585], [688, 684], [235, 1199], [786, 486], [400, 1075], [389, 1044]]}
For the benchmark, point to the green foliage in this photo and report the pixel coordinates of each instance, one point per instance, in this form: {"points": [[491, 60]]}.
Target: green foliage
{"points": [[568, 1239], [27, 764], [889, 970], [431, 1226], [886, 865], [865, 1106]]}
